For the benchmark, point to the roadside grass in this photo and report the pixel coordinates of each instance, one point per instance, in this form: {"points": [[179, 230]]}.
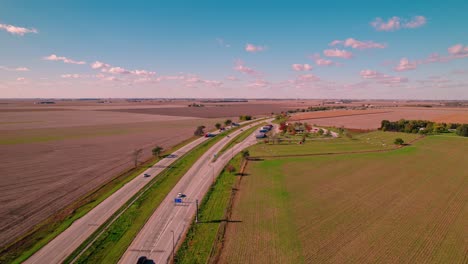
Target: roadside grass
{"points": [[200, 238], [406, 205], [110, 246], [42, 234], [376, 140]]}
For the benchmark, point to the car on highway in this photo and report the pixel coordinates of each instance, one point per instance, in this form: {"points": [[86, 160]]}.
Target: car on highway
{"points": [[146, 175], [142, 260], [210, 135], [181, 195]]}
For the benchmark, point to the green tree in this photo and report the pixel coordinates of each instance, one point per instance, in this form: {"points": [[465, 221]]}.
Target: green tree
{"points": [[218, 125], [228, 122], [199, 131], [462, 130], [320, 132], [157, 151], [399, 141]]}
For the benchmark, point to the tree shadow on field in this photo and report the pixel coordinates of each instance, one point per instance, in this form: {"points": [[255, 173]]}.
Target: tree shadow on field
{"points": [[242, 174], [219, 221]]}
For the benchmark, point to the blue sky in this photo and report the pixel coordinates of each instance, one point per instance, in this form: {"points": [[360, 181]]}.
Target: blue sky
{"points": [[200, 49]]}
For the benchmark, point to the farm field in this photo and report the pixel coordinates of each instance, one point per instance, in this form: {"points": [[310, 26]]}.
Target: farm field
{"points": [[402, 206], [57, 154], [370, 119]]}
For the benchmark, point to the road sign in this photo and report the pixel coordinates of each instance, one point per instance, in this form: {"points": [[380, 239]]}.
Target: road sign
{"points": [[177, 200]]}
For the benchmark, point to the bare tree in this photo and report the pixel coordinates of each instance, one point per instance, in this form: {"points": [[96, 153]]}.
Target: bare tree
{"points": [[136, 154]]}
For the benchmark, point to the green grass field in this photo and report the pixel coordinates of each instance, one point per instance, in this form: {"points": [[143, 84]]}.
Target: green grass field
{"points": [[363, 142], [407, 205]]}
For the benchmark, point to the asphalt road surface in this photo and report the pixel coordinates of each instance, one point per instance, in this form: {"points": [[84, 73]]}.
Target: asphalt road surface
{"points": [[170, 221], [57, 250]]}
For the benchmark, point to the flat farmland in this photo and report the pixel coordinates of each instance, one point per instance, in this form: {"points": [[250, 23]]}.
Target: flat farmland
{"points": [[51, 158], [370, 119], [213, 110], [408, 205], [53, 154]]}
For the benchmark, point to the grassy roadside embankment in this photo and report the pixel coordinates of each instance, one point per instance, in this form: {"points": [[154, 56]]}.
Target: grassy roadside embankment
{"points": [[111, 240], [199, 241], [197, 245], [27, 245]]}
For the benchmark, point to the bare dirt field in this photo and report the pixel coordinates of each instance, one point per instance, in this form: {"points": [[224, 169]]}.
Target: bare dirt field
{"points": [[370, 119]]}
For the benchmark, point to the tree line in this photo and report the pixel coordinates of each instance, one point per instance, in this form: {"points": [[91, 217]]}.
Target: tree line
{"points": [[424, 127]]}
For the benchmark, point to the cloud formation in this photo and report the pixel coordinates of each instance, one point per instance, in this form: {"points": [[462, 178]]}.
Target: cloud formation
{"points": [[253, 48], [382, 78], [338, 53], [396, 23], [20, 31], [72, 76], [405, 65], [458, 51], [301, 67], [107, 68], [320, 61], [240, 67], [356, 44], [18, 69], [54, 57], [260, 83]]}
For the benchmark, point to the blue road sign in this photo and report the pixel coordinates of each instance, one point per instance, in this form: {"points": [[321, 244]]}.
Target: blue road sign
{"points": [[177, 200]]}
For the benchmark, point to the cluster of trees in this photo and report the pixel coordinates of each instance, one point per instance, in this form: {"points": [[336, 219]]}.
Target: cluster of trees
{"points": [[245, 117], [315, 108], [423, 127], [228, 122], [196, 105], [298, 127], [292, 128]]}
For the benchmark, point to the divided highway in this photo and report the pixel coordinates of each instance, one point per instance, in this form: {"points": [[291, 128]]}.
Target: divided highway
{"points": [[171, 221], [57, 250]]}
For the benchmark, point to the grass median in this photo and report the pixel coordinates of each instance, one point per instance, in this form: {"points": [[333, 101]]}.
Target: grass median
{"points": [[111, 241], [200, 238]]}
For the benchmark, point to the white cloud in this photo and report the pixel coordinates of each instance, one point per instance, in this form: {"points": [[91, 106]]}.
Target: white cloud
{"points": [[301, 67], [396, 23], [21, 31], [405, 65], [254, 48], [357, 44], [18, 69], [54, 57]]}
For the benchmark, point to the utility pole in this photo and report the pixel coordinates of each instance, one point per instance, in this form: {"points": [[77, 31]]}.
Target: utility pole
{"points": [[196, 215]]}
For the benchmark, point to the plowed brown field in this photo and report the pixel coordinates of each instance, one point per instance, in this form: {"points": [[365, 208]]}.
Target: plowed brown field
{"points": [[370, 119], [53, 154]]}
